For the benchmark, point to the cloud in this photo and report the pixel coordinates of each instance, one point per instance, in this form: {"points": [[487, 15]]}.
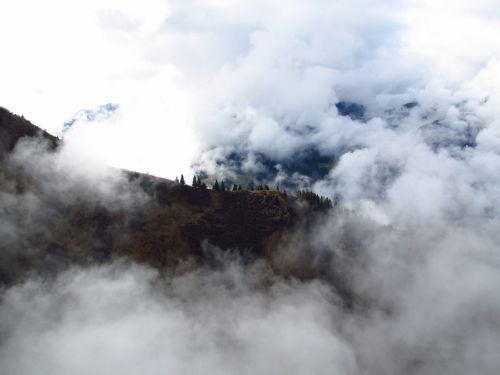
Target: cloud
{"points": [[46, 195], [420, 302], [63, 57], [295, 72], [403, 282], [410, 262], [119, 318], [205, 75]]}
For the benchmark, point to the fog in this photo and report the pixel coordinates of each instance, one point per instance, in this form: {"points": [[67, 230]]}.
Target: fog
{"points": [[423, 303], [407, 266], [120, 320], [401, 288]]}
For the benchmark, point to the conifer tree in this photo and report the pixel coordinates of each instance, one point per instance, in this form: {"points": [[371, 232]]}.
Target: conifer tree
{"points": [[222, 186], [235, 187], [195, 182], [176, 179], [239, 187], [183, 182], [216, 186]]}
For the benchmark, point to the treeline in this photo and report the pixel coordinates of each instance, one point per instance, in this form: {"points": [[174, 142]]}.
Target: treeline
{"points": [[223, 186], [199, 184], [312, 199]]}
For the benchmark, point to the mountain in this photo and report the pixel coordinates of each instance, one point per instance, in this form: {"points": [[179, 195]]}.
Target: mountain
{"points": [[13, 128], [305, 166], [50, 222]]}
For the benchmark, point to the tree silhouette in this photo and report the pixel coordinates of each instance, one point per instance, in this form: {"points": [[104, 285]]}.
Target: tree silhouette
{"points": [[183, 182], [222, 186], [314, 200], [176, 179], [195, 182], [216, 186]]}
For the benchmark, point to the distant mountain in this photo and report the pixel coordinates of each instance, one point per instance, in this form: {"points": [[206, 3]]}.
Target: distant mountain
{"points": [[353, 110], [303, 168], [101, 112]]}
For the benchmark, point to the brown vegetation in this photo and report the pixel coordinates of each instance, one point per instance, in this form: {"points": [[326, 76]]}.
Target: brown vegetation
{"points": [[167, 230]]}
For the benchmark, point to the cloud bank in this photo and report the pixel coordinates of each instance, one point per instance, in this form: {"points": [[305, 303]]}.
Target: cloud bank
{"points": [[211, 79], [435, 314], [114, 320], [410, 267]]}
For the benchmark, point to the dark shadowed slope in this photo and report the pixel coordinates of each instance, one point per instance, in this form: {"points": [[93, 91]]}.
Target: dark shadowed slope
{"points": [[51, 219], [13, 128]]}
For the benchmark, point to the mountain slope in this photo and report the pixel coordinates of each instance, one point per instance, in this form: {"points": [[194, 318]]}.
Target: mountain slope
{"points": [[13, 128], [50, 221]]}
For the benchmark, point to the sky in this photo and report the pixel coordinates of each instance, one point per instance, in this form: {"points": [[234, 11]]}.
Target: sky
{"points": [[196, 79], [169, 87]]}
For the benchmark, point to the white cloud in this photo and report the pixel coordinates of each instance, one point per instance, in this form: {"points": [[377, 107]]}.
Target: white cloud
{"points": [[169, 63], [113, 319], [61, 57], [263, 77]]}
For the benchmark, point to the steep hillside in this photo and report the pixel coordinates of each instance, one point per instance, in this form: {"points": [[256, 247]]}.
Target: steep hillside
{"points": [[158, 222], [13, 128]]}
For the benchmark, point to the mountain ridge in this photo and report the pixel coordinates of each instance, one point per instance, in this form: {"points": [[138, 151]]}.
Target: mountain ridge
{"points": [[165, 224]]}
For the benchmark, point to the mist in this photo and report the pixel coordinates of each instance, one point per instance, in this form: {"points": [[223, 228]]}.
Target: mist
{"points": [[413, 309], [409, 293], [391, 110], [415, 295]]}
